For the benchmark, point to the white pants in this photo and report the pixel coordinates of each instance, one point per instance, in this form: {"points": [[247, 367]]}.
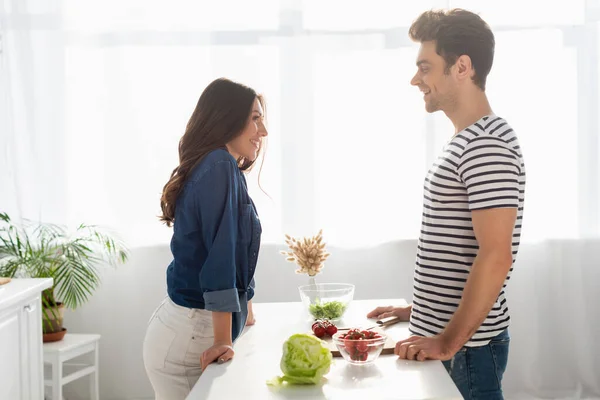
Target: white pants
{"points": [[175, 340]]}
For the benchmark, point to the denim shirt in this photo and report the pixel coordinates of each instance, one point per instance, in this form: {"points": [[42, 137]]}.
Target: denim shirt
{"points": [[216, 239]]}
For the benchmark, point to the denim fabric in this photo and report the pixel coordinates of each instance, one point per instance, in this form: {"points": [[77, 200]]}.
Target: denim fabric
{"points": [[478, 371], [216, 239]]}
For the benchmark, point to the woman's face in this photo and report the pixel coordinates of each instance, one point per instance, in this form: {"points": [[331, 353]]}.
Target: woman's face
{"points": [[249, 142]]}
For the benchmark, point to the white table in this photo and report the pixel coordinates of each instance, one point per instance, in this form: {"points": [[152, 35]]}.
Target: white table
{"points": [[258, 353], [56, 354]]}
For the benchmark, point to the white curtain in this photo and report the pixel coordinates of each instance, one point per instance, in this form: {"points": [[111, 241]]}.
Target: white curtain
{"points": [[94, 96], [553, 298]]}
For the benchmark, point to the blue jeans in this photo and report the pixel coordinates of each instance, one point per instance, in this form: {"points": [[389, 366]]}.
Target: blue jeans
{"points": [[477, 371]]}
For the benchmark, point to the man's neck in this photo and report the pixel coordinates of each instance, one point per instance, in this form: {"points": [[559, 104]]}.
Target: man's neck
{"points": [[465, 114]]}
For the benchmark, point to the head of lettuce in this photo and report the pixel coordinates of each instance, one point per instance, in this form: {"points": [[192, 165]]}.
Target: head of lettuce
{"points": [[305, 360]]}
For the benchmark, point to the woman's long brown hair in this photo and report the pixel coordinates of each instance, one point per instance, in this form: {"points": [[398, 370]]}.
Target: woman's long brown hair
{"points": [[220, 116]]}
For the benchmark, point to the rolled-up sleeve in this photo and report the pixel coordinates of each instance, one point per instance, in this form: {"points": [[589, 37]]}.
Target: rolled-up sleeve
{"points": [[251, 288], [217, 205]]}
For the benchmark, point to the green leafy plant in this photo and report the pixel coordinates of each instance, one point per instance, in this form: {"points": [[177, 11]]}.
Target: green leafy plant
{"points": [[329, 310], [305, 360], [41, 250]]}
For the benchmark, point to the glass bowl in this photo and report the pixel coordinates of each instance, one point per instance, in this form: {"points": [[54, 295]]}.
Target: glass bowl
{"points": [[327, 300], [361, 351]]}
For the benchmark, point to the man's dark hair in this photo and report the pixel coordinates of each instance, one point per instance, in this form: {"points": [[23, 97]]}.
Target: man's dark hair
{"points": [[457, 32]]}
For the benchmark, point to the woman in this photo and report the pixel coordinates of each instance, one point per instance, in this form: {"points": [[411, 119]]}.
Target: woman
{"points": [[215, 243]]}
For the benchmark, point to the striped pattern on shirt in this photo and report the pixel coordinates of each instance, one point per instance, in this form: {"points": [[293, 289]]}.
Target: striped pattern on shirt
{"points": [[480, 168]]}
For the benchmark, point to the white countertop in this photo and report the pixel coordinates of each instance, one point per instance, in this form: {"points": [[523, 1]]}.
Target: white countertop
{"points": [[18, 290], [258, 353]]}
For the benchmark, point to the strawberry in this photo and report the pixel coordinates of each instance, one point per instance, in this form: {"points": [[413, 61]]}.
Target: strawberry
{"points": [[362, 346], [349, 345], [319, 331], [331, 330]]}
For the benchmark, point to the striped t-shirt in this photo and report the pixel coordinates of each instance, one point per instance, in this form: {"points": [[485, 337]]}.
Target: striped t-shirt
{"points": [[480, 168]]}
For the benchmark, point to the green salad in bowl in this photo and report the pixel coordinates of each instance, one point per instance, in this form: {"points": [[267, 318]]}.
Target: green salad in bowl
{"points": [[327, 300]]}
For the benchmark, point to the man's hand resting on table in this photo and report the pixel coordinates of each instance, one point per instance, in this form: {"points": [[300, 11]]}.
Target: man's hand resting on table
{"points": [[420, 348], [415, 347], [402, 312]]}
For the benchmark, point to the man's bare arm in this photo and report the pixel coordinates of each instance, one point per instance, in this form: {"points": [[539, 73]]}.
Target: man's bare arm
{"points": [[494, 232]]}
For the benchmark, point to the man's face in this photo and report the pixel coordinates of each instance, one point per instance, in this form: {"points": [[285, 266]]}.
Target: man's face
{"points": [[439, 88]]}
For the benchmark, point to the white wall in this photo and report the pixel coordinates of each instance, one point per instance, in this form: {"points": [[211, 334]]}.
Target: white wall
{"points": [[553, 285]]}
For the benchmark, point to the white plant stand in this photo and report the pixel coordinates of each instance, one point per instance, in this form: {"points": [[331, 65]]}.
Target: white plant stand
{"points": [[56, 354]]}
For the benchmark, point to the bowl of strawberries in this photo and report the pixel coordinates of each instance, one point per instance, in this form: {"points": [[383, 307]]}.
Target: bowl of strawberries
{"points": [[359, 346]]}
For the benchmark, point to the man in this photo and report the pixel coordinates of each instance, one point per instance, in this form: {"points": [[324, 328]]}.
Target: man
{"points": [[473, 206]]}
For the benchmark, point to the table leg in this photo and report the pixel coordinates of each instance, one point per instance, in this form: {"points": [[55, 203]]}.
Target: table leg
{"points": [[94, 386], [57, 373]]}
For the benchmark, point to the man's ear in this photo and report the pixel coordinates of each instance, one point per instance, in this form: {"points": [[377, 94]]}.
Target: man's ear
{"points": [[464, 67]]}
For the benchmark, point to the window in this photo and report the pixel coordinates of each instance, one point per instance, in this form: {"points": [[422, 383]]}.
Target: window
{"points": [[349, 141]]}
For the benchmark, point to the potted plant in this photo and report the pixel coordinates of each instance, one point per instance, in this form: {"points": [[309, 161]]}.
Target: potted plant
{"points": [[40, 250], [308, 253]]}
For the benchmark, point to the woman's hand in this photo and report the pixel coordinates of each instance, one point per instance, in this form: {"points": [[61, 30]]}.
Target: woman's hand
{"points": [[220, 352], [222, 349]]}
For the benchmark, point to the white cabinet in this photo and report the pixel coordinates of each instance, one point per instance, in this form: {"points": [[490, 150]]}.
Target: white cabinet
{"points": [[21, 366], [10, 354], [31, 343]]}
